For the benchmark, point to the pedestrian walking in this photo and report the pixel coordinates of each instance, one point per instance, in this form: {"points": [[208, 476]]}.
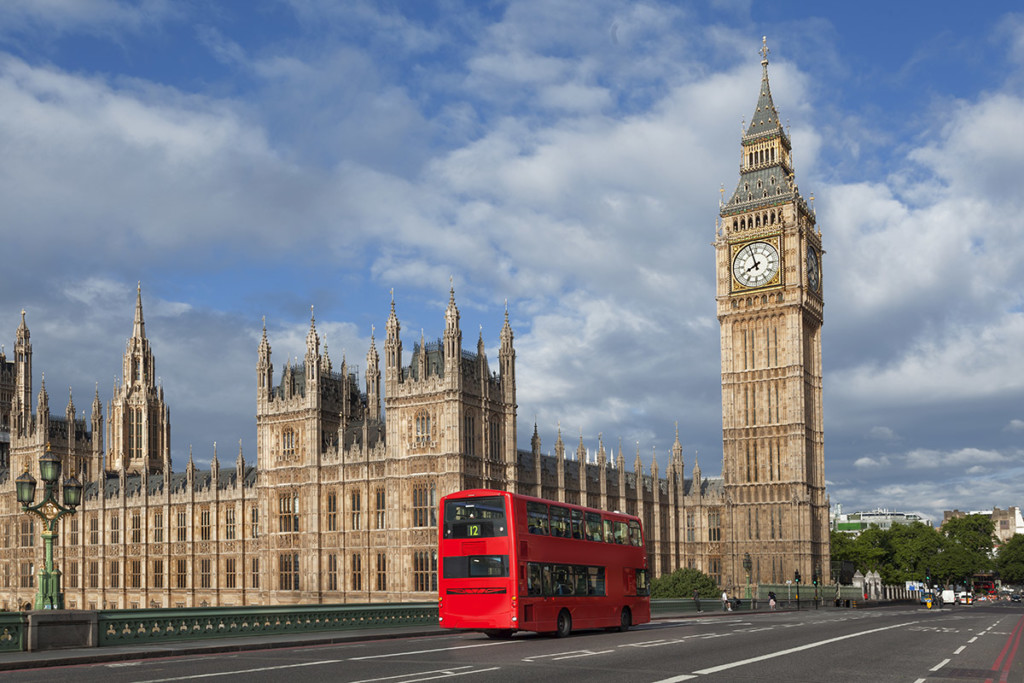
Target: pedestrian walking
{"points": [[726, 605], [771, 600], [696, 599]]}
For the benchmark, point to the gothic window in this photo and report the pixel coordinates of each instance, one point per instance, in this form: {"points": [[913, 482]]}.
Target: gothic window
{"points": [[205, 573], [423, 428], [182, 527], [28, 532], [424, 505], [204, 524], [382, 572], [72, 534], [288, 444], [229, 524], [115, 529], [332, 510], [230, 573], [94, 574], [380, 509], [288, 512], [254, 573], [357, 572], [356, 511], [494, 436], [288, 575], [332, 572], [254, 524], [691, 527], [72, 575], [424, 570], [115, 574], [470, 433], [158, 573], [158, 527], [136, 527], [714, 525]]}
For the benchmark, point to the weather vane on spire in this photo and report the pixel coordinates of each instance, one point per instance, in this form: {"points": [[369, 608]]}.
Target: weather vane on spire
{"points": [[764, 48]]}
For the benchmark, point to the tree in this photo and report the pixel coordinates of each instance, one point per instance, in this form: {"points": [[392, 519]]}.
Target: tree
{"points": [[682, 582], [1011, 560], [974, 532]]}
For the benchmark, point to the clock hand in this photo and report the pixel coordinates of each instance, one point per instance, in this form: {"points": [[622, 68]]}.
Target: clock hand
{"points": [[756, 265]]}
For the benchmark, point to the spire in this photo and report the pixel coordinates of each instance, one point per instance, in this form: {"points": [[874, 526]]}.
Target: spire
{"points": [[139, 327], [766, 117]]}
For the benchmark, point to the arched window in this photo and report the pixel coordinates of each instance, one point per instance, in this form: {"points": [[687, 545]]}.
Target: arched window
{"points": [[288, 443], [422, 428]]}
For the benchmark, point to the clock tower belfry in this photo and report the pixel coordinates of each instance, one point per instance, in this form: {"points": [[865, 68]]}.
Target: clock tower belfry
{"points": [[769, 293]]}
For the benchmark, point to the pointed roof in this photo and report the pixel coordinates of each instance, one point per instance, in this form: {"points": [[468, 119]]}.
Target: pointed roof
{"points": [[139, 327], [766, 117]]}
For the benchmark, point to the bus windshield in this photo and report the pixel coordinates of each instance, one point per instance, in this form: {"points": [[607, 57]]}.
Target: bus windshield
{"points": [[475, 517]]}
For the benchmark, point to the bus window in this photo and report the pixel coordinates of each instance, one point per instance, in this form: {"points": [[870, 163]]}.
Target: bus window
{"points": [[595, 580], [609, 537], [620, 533], [533, 580], [577, 524], [475, 566], [475, 517], [635, 537], [560, 522], [593, 526], [580, 574], [562, 579], [642, 588], [537, 518], [546, 578]]}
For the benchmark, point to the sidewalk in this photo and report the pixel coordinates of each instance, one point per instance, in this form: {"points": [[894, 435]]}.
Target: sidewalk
{"points": [[14, 661]]}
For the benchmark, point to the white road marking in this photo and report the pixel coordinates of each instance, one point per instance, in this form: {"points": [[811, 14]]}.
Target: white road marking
{"points": [[960, 649], [808, 646], [425, 652], [244, 671], [938, 666]]}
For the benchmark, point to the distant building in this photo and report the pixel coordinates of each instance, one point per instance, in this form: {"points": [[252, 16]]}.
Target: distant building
{"points": [[1007, 522], [856, 522]]}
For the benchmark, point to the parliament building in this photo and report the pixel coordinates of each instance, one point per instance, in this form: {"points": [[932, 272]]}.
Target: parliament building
{"points": [[340, 502]]}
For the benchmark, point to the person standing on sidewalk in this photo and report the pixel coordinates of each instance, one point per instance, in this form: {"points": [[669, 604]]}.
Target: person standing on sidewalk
{"points": [[726, 607], [696, 599]]}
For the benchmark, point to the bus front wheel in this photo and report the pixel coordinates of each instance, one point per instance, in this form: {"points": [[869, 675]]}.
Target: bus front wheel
{"points": [[563, 625], [625, 620]]}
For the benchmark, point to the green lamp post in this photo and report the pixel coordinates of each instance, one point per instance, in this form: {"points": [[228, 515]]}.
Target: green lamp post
{"points": [[49, 594], [747, 566]]}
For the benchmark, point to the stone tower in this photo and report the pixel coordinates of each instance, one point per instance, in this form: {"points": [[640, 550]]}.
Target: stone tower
{"points": [[769, 294], [138, 421]]}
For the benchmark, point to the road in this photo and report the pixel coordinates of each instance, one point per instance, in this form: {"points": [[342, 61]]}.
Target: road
{"points": [[905, 643]]}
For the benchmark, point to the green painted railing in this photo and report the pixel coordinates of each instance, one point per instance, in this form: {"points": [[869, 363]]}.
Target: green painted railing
{"points": [[12, 631], [123, 627]]}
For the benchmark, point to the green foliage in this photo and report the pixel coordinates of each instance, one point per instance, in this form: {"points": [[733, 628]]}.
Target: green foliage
{"points": [[908, 552], [1011, 560], [682, 582]]}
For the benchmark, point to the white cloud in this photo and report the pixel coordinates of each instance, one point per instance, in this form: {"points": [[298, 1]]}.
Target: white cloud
{"points": [[1014, 426]]}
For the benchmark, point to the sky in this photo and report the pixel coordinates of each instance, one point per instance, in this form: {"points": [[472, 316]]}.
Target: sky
{"points": [[245, 161]]}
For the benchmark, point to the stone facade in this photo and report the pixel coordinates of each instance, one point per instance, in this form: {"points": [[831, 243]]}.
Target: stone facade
{"points": [[340, 505]]}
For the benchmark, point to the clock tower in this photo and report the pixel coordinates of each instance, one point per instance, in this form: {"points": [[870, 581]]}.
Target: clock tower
{"points": [[769, 294]]}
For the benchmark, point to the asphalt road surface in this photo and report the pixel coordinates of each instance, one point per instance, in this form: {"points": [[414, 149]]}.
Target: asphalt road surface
{"points": [[906, 643]]}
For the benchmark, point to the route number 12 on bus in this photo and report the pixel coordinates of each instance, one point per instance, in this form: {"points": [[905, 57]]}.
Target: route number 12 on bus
{"points": [[516, 563]]}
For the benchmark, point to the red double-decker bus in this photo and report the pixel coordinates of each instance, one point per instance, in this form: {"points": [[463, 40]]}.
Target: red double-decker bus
{"points": [[512, 562]]}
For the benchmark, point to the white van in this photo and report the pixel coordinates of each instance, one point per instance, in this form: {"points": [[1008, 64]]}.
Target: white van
{"points": [[948, 597]]}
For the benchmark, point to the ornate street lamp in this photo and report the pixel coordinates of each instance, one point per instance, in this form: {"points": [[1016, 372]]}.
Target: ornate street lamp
{"points": [[49, 594], [747, 565]]}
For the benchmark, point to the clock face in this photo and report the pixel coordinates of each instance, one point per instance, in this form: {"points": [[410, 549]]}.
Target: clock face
{"points": [[813, 268], [755, 264]]}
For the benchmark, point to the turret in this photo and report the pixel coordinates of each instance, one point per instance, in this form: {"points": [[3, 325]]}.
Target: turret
{"points": [[22, 406], [372, 380], [452, 343], [264, 368], [312, 358], [393, 349]]}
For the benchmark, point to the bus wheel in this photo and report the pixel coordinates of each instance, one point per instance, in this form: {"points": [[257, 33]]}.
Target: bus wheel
{"points": [[564, 624], [625, 620], [498, 633]]}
